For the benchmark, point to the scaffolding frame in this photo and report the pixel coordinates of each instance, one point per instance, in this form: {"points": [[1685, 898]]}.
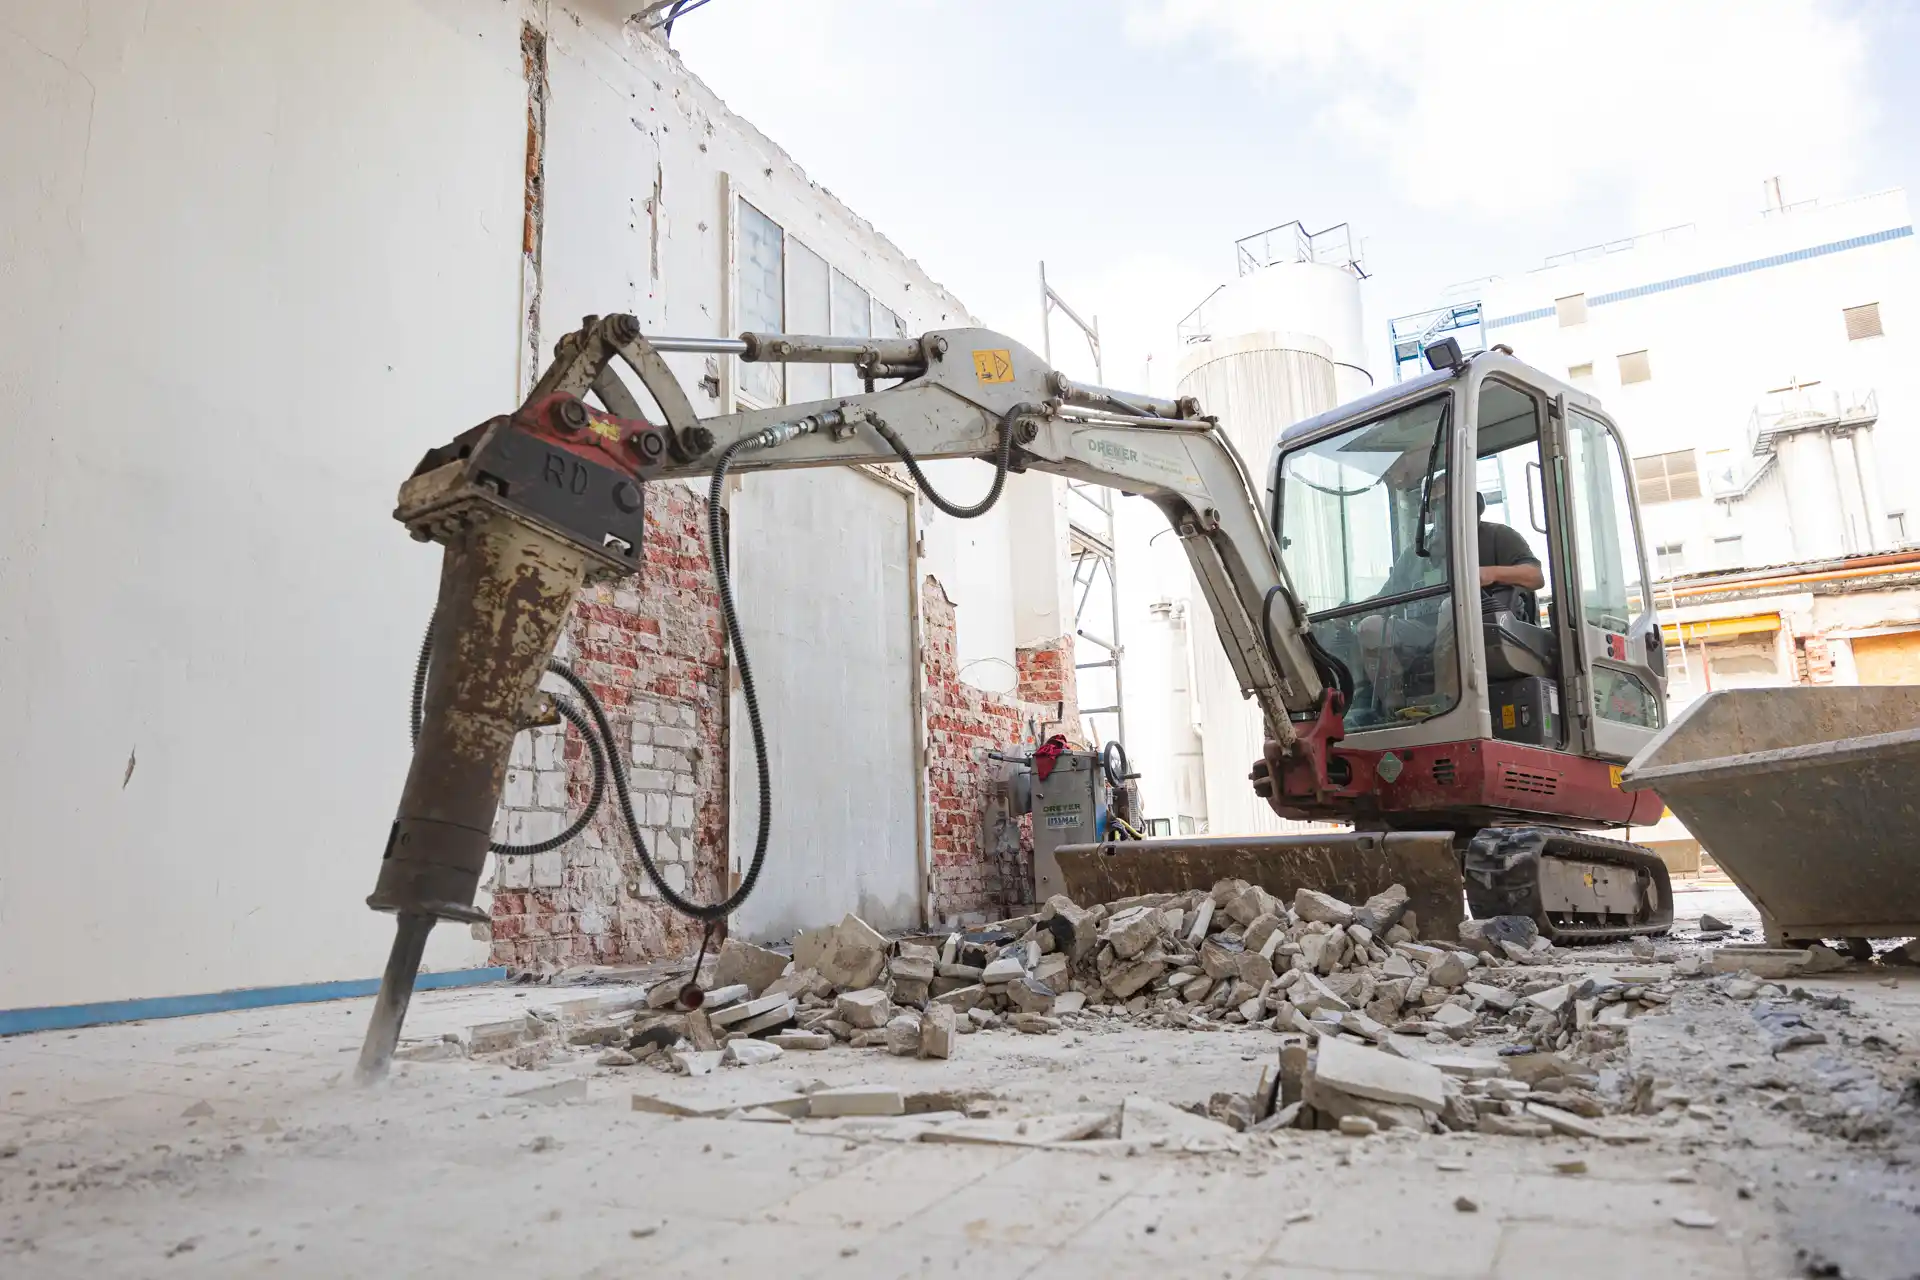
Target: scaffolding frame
{"points": [[1090, 528]]}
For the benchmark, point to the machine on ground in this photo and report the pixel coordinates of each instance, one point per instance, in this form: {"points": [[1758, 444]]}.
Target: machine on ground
{"points": [[1397, 695]]}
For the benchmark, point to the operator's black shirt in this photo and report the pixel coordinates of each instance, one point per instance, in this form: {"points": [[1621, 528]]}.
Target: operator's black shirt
{"points": [[1499, 545]]}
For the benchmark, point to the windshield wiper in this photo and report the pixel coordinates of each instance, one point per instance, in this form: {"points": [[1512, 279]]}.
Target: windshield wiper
{"points": [[1426, 483]]}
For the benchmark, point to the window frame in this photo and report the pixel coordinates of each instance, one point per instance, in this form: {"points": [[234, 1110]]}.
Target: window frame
{"points": [[1645, 367]]}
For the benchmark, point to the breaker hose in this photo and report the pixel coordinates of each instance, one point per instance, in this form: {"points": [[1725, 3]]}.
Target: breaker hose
{"points": [[1002, 459]]}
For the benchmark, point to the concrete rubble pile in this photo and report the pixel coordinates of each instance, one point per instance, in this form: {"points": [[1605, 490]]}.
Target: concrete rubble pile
{"points": [[1206, 960]]}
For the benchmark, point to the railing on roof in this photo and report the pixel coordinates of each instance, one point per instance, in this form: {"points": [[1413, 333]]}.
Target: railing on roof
{"points": [[1804, 409], [1587, 253], [1292, 242]]}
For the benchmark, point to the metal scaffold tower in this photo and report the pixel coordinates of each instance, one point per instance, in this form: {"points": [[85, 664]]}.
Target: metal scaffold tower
{"points": [[1096, 581]]}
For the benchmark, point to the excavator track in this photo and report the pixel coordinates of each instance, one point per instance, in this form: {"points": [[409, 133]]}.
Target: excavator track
{"points": [[1578, 888]]}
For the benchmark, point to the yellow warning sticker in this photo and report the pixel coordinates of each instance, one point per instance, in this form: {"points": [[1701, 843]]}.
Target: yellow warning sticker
{"points": [[994, 366], [1506, 716], [1613, 776]]}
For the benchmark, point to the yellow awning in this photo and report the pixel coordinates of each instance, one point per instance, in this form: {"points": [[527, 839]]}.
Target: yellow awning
{"points": [[1718, 628]]}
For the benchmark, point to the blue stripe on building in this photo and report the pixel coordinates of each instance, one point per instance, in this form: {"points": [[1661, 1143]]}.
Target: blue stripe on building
{"points": [[1718, 273], [66, 1016]]}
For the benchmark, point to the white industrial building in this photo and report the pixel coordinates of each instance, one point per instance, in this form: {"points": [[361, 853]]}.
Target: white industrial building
{"points": [[1764, 376], [258, 259]]}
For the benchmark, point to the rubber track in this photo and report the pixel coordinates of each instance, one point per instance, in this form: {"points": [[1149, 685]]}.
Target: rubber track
{"points": [[1503, 878]]}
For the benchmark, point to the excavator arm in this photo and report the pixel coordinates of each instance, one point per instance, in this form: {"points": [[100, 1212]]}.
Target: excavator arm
{"points": [[531, 505]]}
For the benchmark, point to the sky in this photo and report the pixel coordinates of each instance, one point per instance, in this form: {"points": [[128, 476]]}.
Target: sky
{"points": [[1129, 143]]}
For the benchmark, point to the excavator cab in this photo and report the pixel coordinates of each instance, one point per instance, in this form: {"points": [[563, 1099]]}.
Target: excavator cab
{"points": [[1468, 547]]}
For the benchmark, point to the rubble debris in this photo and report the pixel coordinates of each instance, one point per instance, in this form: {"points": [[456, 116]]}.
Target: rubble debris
{"points": [[801, 1040], [1761, 962], [747, 1052], [1713, 924], [903, 1034], [1466, 1204], [938, 1027]]}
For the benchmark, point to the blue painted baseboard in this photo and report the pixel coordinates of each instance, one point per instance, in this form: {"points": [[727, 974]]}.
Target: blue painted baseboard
{"points": [[60, 1017]]}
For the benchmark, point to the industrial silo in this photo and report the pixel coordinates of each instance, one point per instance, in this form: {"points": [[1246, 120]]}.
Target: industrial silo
{"points": [[1277, 345]]}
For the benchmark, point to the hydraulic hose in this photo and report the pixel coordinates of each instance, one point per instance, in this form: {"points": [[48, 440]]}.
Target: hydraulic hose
{"points": [[573, 716], [1002, 459]]}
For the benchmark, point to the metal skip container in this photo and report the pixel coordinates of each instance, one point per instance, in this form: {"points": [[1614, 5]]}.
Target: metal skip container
{"points": [[1808, 798]]}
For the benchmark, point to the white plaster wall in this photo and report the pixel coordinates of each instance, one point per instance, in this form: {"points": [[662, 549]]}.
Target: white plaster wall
{"points": [[258, 258]]}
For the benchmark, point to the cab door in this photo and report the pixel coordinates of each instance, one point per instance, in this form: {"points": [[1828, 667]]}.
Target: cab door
{"points": [[1619, 682]]}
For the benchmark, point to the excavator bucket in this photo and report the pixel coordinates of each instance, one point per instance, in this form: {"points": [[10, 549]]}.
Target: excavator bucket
{"points": [[1350, 865], [1806, 798]]}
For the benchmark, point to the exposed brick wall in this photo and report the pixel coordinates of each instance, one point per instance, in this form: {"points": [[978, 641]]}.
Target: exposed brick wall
{"points": [[977, 871], [1047, 680], [652, 652]]}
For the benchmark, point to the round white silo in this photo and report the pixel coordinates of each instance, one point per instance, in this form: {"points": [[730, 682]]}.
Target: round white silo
{"points": [[1301, 297], [1258, 384]]}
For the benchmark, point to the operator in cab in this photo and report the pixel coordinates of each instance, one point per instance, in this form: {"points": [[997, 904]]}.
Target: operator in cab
{"points": [[1413, 644]]}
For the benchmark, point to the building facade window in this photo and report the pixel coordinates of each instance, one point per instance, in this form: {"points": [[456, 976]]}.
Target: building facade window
{"points": [[1670, 559], [1580, 372], [761, 285], [1863, 322], [1571, 310], [1634, 368], [1667, 477], [1897, 528], [1729, 552]]}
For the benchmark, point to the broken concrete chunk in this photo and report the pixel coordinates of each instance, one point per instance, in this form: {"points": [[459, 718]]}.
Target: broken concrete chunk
{"points": [[756, 968], [1249, 904], [1713, 924], [1132, 931], [1489, 934], [849, 955], [962, 998], [1761, 962], [1563, 1121], [1499, 999], [1074, 932], [798, 982], [856, 1100], [903, 1035], [1052, 971], [914, 971], [1003, 970], [1452, 1016], [864, 1009], [803, 1041], [746, 1052], [746, 1010], [1034, 1024], [1357, 1126], [1130, 978], [1383, 910], [1311, 904], [1261, 930], [1369, 1073], [723, 997], [1551, 999], [1070, 1002], [615, 1058], [938, 1027], [1029, 996], [983, 1018], [1450, 972], [775, 1017], [696, 1062], [1143, 1117], [1202, 919]]}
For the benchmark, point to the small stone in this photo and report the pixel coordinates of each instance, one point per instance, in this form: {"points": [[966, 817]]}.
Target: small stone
{"points": [[1697, 1219], [1551, 999], [1201, 920], [903, 1035], [1465, 1205], [1713, 924], [198, 1110], [1498, 999], [938, 1027], [616, 1058], [983, 1018], [1034, 1024], [641, 1233], [1070, 1002], [1570, 1168], [1357, 1126], [1452, 1017]]}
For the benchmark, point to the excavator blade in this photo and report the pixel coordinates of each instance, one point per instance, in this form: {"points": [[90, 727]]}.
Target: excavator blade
{"points": [[1350, 865]]}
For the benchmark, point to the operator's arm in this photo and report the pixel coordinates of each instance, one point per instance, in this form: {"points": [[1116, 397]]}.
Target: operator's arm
{"points": [[1507, 560], [1518, 575]]}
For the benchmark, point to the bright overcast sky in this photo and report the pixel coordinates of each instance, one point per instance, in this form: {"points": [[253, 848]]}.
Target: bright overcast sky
{"points": [[1130, 142]]}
